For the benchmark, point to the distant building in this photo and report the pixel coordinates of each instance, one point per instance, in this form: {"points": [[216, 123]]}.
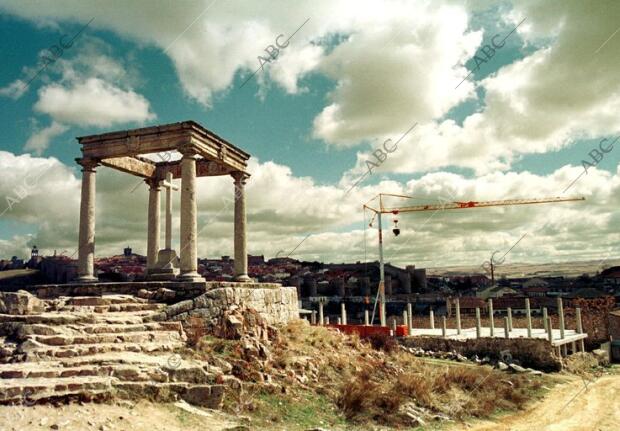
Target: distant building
{"points": [[127, 251]]}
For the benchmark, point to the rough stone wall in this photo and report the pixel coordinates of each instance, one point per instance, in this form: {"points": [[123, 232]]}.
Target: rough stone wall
{"points": [[529, 352], [276, 305]]}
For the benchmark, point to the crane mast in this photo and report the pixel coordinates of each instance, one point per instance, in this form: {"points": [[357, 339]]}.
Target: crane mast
{"points": [[435, 207]]}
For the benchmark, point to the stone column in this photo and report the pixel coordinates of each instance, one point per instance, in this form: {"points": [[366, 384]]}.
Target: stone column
{"points": [[506, 328], [366, 318], [509, 313], [545, 315], [478, 326], [152, 242], [432, 319], [241, 250], [405, 319], [189, 234], [343, 313], [86, 250], [321, 318]]}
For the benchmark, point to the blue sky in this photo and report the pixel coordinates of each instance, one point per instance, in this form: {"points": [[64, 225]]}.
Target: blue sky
{"points": [[313, 116]]}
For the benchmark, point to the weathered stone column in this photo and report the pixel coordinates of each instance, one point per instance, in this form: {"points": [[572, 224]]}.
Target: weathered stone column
{"points": [[86, 250], [241, 251], [189, 244], [153, 230], [432, 318], [478, 325]]}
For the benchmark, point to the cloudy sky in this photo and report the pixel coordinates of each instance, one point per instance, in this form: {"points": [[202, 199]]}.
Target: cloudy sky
{"points": [[477, 100]]}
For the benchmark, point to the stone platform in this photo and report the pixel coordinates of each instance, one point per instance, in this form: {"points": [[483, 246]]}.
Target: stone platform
{"points": [[182, 290], [276, 303]]}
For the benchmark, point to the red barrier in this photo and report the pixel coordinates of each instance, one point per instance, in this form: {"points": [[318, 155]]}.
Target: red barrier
{"points": [[365, 331]]}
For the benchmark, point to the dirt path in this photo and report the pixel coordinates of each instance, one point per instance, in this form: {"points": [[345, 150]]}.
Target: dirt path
{"points": [[143, 416], [577, 405]]}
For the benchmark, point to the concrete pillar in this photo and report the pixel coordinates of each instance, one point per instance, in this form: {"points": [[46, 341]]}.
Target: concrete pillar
{"points": [[550, 329], [405, 319], [313, 317], [478, 326], [154, 225], [241, 248], [410, 314], [509, 313], [443, 326], [506, 328], [189, 234], [528, 314], [343, 313], [545, 315], [491, 320], [458, 316], [86, 250], [321, 318], [582, 346], [561, 316], [366, 318], [432, 318]]}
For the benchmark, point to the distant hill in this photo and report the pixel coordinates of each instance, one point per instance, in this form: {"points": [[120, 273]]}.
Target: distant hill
{"points": [[567, 269]]}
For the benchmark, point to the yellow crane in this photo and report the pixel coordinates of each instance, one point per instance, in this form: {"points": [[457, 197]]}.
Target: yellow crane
{"points": [[456, 205]]}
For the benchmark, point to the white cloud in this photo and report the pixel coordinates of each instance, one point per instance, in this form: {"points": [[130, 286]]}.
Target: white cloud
{"points": [[280, 216], [14, 90], [93, 102], [40, 140]]}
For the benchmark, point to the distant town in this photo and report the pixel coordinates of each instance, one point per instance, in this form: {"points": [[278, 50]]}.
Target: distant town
{"points": [[355, 284]]}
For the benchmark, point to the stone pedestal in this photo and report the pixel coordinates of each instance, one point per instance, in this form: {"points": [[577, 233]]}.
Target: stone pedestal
{"points": [[167, 267]]}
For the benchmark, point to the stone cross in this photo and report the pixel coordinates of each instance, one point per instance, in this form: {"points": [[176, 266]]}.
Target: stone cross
{"points": [[169, 186]]}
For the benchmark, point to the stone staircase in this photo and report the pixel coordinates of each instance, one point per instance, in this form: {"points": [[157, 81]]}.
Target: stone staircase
{"points": [[99, 348]]}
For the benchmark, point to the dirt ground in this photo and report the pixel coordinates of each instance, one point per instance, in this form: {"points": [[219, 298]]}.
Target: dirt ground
{"points": [[112, 417], [579, 405]]}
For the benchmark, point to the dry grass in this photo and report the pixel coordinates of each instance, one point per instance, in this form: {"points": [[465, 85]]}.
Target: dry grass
{"points": [[454, 391], [346, 378]]}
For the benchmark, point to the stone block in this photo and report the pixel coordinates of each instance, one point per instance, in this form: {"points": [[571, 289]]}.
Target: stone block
{"points": [[20, 303]]}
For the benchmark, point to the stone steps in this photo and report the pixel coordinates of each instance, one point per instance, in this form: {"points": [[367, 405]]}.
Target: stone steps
{"points": [[113, 308], [106, 338], [173, 372], [95, 348], [104, 300], [39, 351], [97, 328]]}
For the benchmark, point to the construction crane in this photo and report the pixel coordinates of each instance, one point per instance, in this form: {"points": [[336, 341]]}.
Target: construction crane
{"points": [[433, 207]]}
